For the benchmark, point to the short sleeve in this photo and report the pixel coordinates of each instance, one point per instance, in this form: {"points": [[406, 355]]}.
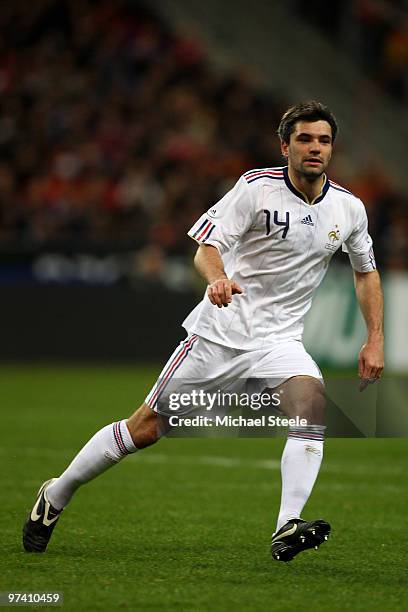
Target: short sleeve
{"points": [[225, 222], [359, 244]]}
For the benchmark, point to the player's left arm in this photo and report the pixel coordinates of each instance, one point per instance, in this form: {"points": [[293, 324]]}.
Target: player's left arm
{"points": [[359, 247], [370, 298]]}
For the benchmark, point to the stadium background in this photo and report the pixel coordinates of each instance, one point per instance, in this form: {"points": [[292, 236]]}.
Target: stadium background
{"points": [[120, 123]]}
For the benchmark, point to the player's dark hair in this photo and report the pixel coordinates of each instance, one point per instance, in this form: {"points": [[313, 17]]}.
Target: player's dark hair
{"points": [[310, 110]]}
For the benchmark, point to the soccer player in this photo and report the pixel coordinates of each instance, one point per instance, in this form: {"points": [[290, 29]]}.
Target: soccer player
{"points": [[263, 250]]}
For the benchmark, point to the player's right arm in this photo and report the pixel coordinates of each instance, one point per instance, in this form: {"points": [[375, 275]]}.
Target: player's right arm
{"points": [[209, 264], [216, 231]]}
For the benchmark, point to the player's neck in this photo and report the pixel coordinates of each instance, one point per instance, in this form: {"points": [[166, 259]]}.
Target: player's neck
{"points": [[310, 188]]}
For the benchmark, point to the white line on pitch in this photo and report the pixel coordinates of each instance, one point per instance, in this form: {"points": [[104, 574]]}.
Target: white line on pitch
{"points": [[217, 461]]}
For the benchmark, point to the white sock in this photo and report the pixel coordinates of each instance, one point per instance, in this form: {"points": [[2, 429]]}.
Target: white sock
{"points": [[106, 448], [301, 459]]}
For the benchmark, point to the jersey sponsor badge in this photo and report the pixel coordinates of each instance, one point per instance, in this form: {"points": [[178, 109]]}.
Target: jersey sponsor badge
{"points": [[307, 220]]}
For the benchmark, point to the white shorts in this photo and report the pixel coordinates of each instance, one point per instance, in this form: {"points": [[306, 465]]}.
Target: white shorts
{"points": [[198, 363]]}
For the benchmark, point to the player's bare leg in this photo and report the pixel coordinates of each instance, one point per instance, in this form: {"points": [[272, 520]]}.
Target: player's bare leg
{"points": [[146, 426], [106, 448], [303, 397]]}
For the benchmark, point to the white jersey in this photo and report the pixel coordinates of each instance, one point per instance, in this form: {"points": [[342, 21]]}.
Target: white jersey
{"points": [[277, 247]]}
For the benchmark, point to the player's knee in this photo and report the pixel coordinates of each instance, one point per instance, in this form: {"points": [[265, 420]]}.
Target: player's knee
{"points": [[306, 399], [311, 405]]}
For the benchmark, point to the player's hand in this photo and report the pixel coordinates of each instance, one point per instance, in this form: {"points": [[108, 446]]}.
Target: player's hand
{"points": [[370, 363], [220, 292]]}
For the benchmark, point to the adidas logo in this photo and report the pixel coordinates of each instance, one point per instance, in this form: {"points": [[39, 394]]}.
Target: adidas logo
{"points": [[307, 220]]}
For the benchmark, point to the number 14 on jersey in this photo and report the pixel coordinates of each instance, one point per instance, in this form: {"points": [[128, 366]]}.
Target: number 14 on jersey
{"points": [[276, 221]]}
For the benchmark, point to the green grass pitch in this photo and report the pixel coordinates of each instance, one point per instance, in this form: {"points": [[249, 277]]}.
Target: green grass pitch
{"points": [[185, 525]]}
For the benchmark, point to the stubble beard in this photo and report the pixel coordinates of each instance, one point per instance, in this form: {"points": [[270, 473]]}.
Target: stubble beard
{"points": [[311, 174]]}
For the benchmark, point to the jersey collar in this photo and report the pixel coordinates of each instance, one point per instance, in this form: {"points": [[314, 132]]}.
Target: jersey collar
{"points": [[301, 195]]}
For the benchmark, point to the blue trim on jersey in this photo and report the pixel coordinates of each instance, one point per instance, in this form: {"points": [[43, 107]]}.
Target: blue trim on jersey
{"points": [[277, 178], [340, 189], [324, 191], [200, 228], [372, 258], [209, 233], [256, 170], [299, 194]]}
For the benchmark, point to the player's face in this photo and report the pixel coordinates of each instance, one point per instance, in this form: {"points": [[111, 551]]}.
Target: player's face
{"points": [[309, 149]]}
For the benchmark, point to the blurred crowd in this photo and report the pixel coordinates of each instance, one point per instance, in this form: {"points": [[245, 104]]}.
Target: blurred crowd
{"points": [[113, 128], [116, 133], [373, 32]]}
